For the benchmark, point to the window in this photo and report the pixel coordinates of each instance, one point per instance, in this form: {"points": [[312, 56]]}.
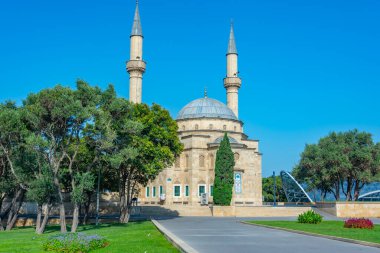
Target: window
{"points": [[210, 126], [186, 190], [224, 127], [201, 189], [161, 190], [212, 161], [154, 191], [236, 156], [201, 161], [211, 190], [177, 191], [147, 191], [235, 128], [183, 128], [187, 161], [178, 162], [196, 127]]}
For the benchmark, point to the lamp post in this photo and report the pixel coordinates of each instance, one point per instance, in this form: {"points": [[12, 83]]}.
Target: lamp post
{"points": [[274, 188]]}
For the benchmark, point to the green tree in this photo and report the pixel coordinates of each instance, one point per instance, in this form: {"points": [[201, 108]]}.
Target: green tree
{"points": [[268, 189], [224, 173], [340, 162]]}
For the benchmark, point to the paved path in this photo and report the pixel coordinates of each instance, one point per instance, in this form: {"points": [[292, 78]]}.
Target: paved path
{"points": [[219, 235]]}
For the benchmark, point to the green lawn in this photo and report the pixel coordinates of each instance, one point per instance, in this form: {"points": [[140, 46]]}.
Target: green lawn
{"points": [[133, 237], [333, 228]]}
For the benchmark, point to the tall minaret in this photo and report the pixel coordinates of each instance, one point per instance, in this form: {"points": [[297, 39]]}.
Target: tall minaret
{"points": [[232, 82], [136, 65]]}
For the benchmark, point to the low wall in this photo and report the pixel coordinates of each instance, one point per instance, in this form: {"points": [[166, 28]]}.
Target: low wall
{"points": [[351, 209], [258, 211]]}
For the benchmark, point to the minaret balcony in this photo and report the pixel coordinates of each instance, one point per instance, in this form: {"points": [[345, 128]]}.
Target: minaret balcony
{"points": [[136, 65], [232, 82]]}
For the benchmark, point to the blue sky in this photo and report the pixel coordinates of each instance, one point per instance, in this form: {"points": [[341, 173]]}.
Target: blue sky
{"points": [[308, 67]]}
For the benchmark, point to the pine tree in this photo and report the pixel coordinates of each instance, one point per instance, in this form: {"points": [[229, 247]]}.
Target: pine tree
{"points": [[224, 173]]}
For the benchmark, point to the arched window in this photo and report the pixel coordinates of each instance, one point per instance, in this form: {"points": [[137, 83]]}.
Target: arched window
{"points": [[236, 156], [196, 126], [201, 161], [235, 128], [187, 161], [178, 162], [224, 127], [212, 161], [210, 126], [183, 127]]}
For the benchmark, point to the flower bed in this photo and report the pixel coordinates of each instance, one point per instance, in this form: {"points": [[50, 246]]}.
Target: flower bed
{"points": [[74, 243], [359, 223]]}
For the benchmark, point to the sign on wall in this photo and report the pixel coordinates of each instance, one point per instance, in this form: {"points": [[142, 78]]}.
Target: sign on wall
{"points": [[237, 178]]}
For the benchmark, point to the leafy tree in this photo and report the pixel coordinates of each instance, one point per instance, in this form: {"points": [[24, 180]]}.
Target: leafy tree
{"points": [[224, 173], [340, 162], [268, 189]]}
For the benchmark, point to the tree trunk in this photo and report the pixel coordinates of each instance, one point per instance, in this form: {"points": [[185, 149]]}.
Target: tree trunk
{"points": [[358, 187], [349, 189], [87, 208], [62, 215], [75, 218], [38, 220], [45, 220], [16, 205]]}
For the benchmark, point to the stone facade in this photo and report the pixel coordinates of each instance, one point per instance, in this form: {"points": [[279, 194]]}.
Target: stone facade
{"points": [[202, 124]]}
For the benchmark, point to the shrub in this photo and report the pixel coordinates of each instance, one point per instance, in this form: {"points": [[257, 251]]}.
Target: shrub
{"points": [[310, 217], [74, 243], [359, 223]]}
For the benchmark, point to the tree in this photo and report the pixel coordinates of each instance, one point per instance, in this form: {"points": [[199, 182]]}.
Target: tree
{"points": [[340, 162], [145, 142], [224, 173], [268, 189], [58, 117]]}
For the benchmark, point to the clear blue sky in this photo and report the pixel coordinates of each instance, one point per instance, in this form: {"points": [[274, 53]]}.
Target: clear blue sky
{"points": [[308, 67]]}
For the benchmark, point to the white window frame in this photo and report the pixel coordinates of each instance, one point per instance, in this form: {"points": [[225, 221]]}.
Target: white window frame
{"points": [[209, 193], [199, 194], [180, 189], [184, 192]]}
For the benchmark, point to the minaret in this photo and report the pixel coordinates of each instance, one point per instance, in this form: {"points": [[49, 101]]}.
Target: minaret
{"points": [[136, 65], [232, 82]]}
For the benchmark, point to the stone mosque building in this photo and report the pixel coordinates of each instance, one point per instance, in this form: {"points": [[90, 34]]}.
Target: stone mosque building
{"points": [[202, 124]]}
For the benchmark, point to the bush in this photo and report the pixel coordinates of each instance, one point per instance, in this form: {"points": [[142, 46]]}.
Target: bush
{"points": [[359, 223], [310, 217], [74, 243]]}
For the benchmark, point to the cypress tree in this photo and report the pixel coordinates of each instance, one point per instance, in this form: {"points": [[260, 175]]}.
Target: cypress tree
{"points": [[224, 173]]}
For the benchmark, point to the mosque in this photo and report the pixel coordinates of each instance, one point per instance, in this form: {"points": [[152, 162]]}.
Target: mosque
{"points": [[201, 127]]}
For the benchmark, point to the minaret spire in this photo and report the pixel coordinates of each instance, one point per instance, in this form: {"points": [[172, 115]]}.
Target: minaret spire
{"points": [[136, 28], [232, 82], [136, 66], [231, 42]]}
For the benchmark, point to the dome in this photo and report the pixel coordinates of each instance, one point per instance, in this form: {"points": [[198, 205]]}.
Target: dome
{"points": [[232, 140], [206, 108]]}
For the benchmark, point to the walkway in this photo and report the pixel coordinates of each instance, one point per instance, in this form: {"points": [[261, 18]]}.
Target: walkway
{"points": [[219, 235]]}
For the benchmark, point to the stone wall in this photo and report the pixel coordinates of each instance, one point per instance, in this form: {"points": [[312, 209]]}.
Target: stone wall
{"points": [[351, 209], [258, 211]]}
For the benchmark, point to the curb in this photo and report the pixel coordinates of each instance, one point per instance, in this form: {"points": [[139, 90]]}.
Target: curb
{"points": [[178, 243], [363, 243]]}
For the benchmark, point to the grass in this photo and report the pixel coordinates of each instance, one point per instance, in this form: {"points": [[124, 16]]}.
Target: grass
{"points": [[333, 228], [132, 237]]}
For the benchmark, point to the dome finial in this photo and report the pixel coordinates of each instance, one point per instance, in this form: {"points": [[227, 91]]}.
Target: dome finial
{"points": [[205, 92]]}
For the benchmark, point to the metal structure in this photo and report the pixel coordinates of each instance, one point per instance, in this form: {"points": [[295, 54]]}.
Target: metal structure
{"points": [[370, 196], [293, 190]]}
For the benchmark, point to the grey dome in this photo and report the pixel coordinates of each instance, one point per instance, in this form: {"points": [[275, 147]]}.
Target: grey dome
{"points": [[206, 108]]}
